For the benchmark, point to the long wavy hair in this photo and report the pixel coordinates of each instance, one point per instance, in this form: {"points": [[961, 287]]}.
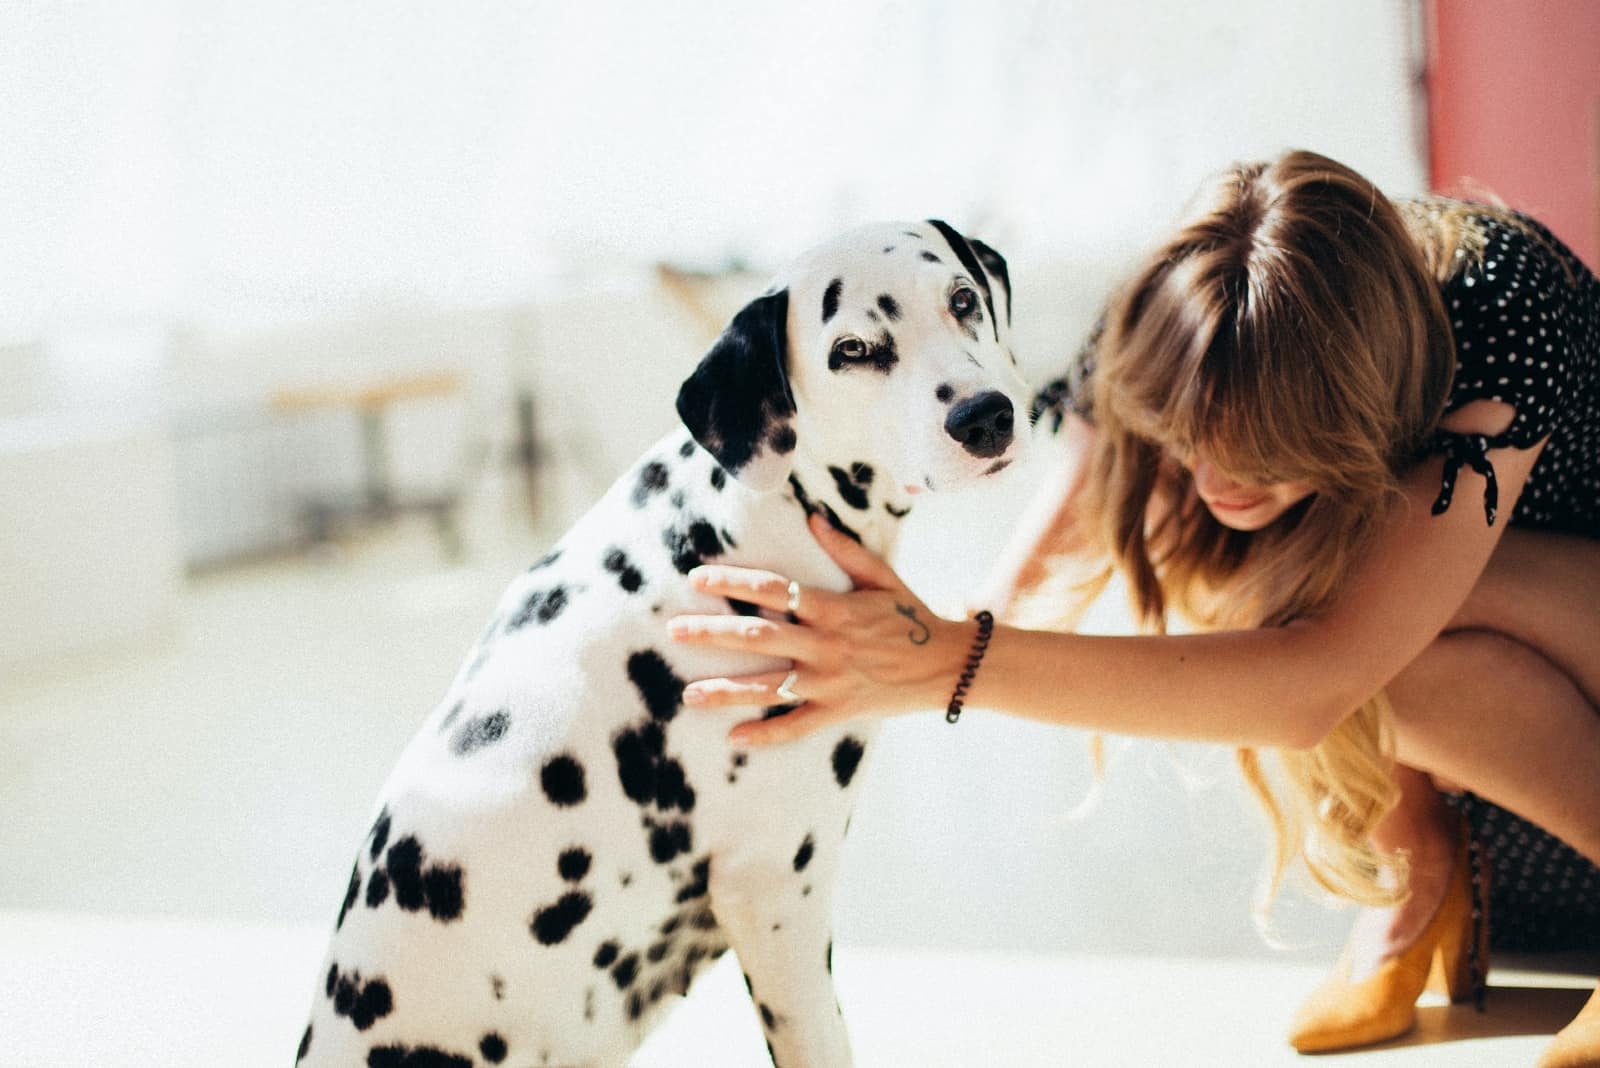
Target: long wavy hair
{"points": [[1291, 330]]}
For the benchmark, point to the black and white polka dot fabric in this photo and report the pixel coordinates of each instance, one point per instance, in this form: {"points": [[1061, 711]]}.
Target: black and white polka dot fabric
{"points": [[1526, 319]]}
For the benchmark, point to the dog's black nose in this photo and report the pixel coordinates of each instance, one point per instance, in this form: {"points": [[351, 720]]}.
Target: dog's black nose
{"points": [[982, 424]]}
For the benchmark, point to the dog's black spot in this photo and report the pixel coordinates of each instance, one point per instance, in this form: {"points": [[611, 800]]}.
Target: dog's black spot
{"points": [[803, 855], [415, 1057], [874, 316], [546, 560], [830, 956], [635, 1005], [719, 478], [930, 257], [405, 869], [743, 608], [380, 833], [699, 883], [861, 473], [588, 1005], [686, 450], [671, 925], [774, 711], [768, 1020], [542, 606], [479, 732], [658, 951], [890, 307], [803, 499], [669, 841], [677, 500], [562, 779], [553, 923], [846, 758], [626, 971], [888, 249], [658, 685], [852, 494], [912, 233], [691, 543], [350, 893], [436, 887], [449, 719], [305, 1045], [782, 439], [830, 299], [652, 480], [606, 955], [638, 751], [573, 864], [672, 787], [333, 979], [365, 1003], [497, 986], [493, 1048], [377, 888], [628, 576], [944, 394], [727, 538], [898, 513], [443, 886]]}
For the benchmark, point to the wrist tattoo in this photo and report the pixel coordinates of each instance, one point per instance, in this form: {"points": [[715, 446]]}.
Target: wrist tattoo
{"points": [[919, 636]]}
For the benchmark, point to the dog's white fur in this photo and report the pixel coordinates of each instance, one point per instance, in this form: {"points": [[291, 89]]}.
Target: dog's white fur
{"points": [[446, 951]]}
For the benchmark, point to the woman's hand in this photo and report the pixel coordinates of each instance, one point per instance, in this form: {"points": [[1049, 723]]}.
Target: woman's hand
{"points": [[876, 650]]}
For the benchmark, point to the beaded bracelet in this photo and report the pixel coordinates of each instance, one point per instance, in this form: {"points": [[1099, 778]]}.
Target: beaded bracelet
{"points": [[980, 645]]}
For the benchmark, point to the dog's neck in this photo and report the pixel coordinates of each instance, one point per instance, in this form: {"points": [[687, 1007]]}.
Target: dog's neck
{"points": [[854, 497]]}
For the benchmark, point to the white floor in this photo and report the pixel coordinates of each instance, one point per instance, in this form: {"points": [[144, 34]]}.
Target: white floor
{"points": [[177, 820]]}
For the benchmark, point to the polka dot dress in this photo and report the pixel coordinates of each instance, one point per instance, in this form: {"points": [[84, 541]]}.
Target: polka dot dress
{"points": [[1526, 318]]}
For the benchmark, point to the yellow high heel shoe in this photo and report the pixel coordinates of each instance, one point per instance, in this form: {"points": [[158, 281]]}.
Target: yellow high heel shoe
{"points": [[1451, 955], [1577, 1045]]}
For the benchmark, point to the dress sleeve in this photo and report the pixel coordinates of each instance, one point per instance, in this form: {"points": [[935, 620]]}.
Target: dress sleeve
{"points": [[1508, 314]]}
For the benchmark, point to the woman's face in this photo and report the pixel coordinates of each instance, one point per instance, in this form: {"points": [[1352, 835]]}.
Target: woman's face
{"points": [[1243, 505]]}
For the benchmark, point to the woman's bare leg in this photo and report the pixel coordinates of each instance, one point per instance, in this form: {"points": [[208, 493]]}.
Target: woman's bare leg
{"points": [[1504, 706]]}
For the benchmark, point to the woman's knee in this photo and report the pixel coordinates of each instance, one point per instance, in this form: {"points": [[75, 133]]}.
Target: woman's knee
{"points": [[1465, 674]]}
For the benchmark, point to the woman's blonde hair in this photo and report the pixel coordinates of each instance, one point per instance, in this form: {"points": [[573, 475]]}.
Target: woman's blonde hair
{"points": [[1291, 331]]}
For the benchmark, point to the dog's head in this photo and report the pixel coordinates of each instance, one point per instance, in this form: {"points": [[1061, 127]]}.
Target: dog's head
{"points": [[891, 342]]}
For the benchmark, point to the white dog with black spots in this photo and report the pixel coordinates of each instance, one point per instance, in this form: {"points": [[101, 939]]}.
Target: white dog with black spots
{"points": [[560, 848]]}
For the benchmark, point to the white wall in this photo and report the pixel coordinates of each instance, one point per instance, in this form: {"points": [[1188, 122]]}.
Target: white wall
{"points": [[226, 168]]}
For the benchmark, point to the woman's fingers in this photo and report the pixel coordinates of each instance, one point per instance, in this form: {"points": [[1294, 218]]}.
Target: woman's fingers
{"points": [[768, 589], [789, 727], [749, 634], [867, 570], [741, 690]]}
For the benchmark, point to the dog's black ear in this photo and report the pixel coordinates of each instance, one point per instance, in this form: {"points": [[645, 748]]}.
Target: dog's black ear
{"points": [[995, 265], [737, 403]]}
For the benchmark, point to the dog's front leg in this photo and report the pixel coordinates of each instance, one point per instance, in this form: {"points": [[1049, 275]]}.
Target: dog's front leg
{"points": [[778, 918]]}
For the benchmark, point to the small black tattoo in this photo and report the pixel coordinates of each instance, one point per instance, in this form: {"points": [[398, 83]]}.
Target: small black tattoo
{"points": [[911, 614]]}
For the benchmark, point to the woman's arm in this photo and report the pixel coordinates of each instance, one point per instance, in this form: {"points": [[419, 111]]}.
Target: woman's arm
{"points": [[1284, 686], [1046, 530]]}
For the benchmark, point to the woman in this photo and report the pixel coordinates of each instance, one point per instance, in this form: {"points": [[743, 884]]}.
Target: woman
{"points": [[1268, 436]]}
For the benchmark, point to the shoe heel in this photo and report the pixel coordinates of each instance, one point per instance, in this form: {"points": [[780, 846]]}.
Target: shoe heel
{"points": [[1460, 961]]}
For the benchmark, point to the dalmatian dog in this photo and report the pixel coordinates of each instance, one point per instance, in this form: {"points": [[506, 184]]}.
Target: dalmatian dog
{"points": [[561, 847]]}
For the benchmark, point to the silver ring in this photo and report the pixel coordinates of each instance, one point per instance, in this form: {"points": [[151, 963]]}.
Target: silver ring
{"points": [[785, 690], [794, 599]]}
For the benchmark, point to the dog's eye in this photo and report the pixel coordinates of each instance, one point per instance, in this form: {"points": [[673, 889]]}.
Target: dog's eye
{"points": [[850, 348], [963, 302]]}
